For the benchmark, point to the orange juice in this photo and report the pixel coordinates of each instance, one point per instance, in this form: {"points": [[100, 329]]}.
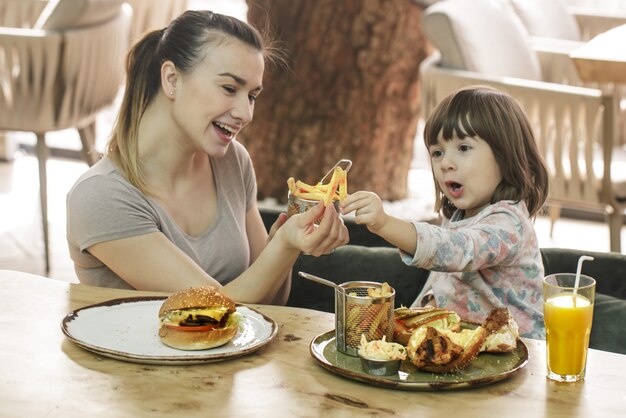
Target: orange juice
{"points": [[568, 320]]}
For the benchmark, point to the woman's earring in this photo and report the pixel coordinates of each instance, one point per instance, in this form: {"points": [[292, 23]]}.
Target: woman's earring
{"points": [[171, 93]]}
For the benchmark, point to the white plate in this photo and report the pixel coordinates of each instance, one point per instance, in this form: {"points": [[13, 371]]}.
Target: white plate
{"points": [[127, 329]]}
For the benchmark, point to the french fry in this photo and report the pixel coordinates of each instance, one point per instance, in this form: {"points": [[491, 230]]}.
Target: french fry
{"points": [[312, 196], [378, 321], [343, 188], [383, 291], [303, 187], [332, 187], [335, 189], [291, 183]]}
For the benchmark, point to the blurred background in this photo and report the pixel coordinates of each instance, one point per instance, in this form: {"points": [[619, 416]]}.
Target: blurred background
{"points": [[393, 142]]}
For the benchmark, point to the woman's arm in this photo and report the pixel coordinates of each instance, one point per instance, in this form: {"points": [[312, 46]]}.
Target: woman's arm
{"points": [[261, 283], [151, 261], [258, 239]]}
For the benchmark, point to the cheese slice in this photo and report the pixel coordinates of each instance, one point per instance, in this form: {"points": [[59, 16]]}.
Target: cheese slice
{"points": [[176, 316]]}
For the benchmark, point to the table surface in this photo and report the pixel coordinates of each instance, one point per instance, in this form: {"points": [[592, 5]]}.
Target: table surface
{"points": [[45, 374], [603, 58]]}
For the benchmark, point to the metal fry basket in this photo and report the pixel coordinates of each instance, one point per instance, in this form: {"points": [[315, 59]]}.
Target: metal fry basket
{"points": [[296, 205], [356, 313]]}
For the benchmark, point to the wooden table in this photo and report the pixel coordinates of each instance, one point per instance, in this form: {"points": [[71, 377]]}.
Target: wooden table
{"points": [[603, 58], [44, 374]]}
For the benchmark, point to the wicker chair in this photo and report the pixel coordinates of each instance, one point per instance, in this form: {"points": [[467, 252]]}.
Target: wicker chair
{"points": [[61, 72], [20, 13], [480, 42], [553, 24], [557, 19]]}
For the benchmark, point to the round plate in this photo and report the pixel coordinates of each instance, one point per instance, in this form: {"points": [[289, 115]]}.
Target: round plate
{"points": [[127, 329], [485, 369]]}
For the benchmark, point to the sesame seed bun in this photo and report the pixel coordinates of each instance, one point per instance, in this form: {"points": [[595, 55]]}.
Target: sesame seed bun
{"points": [[186, 338], [197, 297]]}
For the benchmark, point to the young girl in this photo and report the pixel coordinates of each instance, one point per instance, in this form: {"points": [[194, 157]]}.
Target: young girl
{"points": [[173, 203], [490, 181]]}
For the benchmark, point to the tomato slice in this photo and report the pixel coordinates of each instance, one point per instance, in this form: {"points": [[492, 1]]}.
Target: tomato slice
{"points": [[192, 328]]}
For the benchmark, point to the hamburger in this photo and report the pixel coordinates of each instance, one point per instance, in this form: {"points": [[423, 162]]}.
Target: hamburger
{"points": [[198, 318]]}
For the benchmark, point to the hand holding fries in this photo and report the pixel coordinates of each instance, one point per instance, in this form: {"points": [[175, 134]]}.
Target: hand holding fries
{"points": [[315, 232]]}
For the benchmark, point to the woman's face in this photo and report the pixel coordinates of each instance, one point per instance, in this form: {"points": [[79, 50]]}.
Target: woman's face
{"points": [[467, 172], [215, 101]]}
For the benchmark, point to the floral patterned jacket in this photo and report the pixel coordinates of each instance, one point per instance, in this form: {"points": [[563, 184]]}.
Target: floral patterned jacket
{"points": [[486, 261]]}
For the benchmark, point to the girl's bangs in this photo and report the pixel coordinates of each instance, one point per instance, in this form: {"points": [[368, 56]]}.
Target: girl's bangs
{"points": [[452, 125]]}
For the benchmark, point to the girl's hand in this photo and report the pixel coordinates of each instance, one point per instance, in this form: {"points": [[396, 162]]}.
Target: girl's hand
{"points": [[301, 232], [368, 209]]}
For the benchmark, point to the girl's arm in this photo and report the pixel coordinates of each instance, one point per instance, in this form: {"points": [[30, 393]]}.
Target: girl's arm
{"points": [[493, 238], [368, 210], [399, 233]]}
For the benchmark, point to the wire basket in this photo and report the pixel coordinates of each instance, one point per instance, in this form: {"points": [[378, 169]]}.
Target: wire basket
{"points": [[356, 314], [297, 205]]}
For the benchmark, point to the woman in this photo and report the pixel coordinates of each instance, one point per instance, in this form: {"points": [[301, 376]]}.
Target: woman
{"points": [[173, 202]]}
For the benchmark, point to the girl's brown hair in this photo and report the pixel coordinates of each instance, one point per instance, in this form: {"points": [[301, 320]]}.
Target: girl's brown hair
{"points": [[183, 43], [495, 117]]}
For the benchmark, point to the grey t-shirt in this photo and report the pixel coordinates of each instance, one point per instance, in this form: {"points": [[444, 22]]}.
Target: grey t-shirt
{"points": [[103, 206]]}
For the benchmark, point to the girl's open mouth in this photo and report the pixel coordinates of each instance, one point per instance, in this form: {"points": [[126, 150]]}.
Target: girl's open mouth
{"points": [[455, 189]]}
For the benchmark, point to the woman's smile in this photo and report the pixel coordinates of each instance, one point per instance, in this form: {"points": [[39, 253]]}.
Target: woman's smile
{"points": [[225, 132]]}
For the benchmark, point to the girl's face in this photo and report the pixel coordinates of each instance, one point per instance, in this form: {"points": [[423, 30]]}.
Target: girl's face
{"points": [[466, 171], [216, 100]]}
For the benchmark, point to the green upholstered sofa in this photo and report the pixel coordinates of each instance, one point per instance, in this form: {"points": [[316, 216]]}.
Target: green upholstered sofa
{"points": [[367, 257]]}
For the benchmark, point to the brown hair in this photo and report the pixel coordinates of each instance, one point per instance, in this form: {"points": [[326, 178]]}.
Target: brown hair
{"points": [[495, 117], [183, 43]]}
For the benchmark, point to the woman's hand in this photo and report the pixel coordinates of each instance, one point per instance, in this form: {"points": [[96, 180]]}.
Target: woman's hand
{"points": [[301, 232], [367, 208], [280, 221]]}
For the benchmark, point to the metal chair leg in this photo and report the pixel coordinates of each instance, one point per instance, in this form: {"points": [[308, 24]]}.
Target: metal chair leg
{"points": [[88, 139], [554, 211], [615, 228], [42, 158]]}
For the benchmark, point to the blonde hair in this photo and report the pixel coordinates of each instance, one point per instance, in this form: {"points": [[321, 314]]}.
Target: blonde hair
{"points": [[494, 116]]}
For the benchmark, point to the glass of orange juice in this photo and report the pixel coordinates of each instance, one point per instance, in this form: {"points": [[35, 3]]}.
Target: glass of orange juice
{"points": [[568, 313]]}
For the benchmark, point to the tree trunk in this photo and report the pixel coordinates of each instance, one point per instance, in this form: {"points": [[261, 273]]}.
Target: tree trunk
{"points": [[350, 91]]}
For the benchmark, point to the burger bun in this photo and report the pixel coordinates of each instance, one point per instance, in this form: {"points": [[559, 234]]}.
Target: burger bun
{"points": [[196, 340], [187, 338]]}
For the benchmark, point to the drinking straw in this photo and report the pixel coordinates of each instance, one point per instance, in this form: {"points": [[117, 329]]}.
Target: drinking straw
{"points": [[578, 269]]}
